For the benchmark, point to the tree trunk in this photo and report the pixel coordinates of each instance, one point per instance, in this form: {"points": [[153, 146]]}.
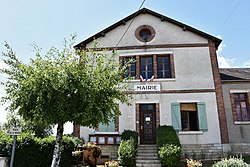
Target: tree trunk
{"points": [[57, 149]]}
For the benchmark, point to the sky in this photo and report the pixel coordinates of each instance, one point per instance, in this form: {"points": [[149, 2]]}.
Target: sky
{"points": [[47, 22]]}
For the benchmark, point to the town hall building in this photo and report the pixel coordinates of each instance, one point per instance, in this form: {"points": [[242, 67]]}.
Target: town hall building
{"points": [[176, 81]]}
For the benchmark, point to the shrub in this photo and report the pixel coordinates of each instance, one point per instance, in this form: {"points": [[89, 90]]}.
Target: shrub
{"points": [[5, 145], [231, 162], [127, 134], [166, 135], [32, 151], [127, 153], [170, 155]]}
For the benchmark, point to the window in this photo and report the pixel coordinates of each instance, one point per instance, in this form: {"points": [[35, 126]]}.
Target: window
{"points": [[131, 68], [145, 33], [149, 67], [163, 67], [241, 107], [189, 116], [146, 67], [107, 139], [107, 128]]}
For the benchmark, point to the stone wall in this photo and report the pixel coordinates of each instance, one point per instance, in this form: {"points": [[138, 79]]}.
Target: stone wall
{"points": [[109, 150], [240, 148], [206, 151], [215, 151]]}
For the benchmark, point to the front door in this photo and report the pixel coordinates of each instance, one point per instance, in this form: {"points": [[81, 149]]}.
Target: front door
{"points": [[147, 124]]}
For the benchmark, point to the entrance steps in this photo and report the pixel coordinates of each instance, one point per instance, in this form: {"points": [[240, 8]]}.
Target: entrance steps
{"points": [[147, 156]]}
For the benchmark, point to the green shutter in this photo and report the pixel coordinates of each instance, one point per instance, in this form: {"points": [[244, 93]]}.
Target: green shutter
{"points": [[201, 106], [176, 116]]}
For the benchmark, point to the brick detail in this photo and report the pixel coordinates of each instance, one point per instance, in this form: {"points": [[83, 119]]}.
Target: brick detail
{"points": [[76, 130], [157, 110], [174, 91], [138, 66], [248, 97], [137, 115], [150, 46], [155, 66], [117, 122], [218, 92], [233, 107], [172, 66]]}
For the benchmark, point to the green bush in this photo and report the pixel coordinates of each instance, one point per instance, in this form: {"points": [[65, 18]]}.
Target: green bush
{"points": [[32, 151], [127, 134], [170, 155], [127, 153], [5, 145], [166, 135], [231, 162]]}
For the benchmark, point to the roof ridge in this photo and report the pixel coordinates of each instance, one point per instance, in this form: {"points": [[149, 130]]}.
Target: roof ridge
{"points": [[144, 10]]}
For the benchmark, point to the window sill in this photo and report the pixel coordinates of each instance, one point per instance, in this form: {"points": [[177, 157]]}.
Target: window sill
{"points": [[155, 80], [106, 133], [191, 133], [242, 122]]}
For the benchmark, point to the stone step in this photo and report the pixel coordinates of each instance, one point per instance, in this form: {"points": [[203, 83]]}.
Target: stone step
{"points": [[148, 165], [147, 154], [148, 161], [146, 151], [147, 157]]}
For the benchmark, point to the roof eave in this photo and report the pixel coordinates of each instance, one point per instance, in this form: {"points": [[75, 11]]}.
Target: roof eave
{"points": [[82, 44]]}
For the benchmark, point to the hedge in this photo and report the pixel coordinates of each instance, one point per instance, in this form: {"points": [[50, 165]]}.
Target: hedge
{"points": [[127, 134], [166, 135], [36, 152]]}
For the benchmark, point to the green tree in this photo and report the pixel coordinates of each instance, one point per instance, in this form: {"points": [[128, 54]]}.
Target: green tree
{"points": [[37, 128], [65, 85]]}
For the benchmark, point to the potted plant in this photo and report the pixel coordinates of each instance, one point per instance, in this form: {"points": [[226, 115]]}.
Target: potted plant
{"points": [[193, 163], [112, 163]]}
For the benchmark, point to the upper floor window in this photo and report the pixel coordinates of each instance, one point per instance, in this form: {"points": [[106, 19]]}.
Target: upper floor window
{"points": [[145, 33], [146, 67], [163, 67], [131, 67], [241, 107], [149, 67]]}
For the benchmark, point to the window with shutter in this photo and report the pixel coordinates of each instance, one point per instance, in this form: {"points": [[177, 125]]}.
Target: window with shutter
{"points": [[189, 116]]}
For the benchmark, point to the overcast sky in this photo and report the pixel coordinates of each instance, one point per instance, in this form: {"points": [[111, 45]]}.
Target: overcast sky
{"points": [[47, 22]]}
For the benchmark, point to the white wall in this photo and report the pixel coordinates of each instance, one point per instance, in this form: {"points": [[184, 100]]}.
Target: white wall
{"points": [[166, 33]]}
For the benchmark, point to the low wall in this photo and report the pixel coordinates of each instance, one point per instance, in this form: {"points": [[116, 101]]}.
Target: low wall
{"points": [[215, 151], [240, 148], [110, 150], [206, 151]]}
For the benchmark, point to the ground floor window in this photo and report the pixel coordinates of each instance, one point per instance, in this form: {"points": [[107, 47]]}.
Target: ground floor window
{"points": [[107, 128], [189, 116], [241, 107]]}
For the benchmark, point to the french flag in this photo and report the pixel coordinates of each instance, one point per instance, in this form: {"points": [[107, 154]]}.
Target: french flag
{"points": [[141, 78], [152, 78]]}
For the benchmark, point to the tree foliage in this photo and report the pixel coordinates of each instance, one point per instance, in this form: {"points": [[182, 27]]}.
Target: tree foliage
{"points": [[64, 85]]}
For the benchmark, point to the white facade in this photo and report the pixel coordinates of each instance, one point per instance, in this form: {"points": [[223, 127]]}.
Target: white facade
{"points": [[193, 79]]}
